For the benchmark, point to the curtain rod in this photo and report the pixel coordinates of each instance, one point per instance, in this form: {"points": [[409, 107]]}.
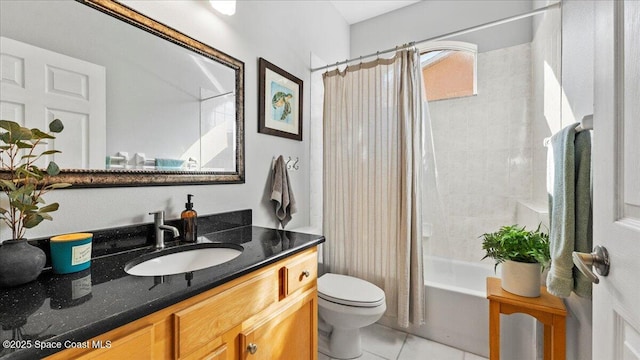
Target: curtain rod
{"points": [[447, 35]]}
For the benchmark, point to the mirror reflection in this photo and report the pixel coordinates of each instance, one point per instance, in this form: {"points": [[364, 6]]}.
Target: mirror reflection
{"points": [[131, 101]]}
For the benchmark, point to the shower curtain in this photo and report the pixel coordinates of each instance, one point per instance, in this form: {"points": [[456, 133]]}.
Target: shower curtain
{"points": [[373, 146]]}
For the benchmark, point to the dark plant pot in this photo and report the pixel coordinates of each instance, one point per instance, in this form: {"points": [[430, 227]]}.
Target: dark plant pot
{"points": [[20, 262]]}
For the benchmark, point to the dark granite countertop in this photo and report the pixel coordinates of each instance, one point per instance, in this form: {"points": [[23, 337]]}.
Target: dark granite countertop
{"points": [[56, 310]]}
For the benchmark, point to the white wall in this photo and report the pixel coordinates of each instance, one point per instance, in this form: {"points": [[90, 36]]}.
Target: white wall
{"points": [[284, 33], [426, 19]]}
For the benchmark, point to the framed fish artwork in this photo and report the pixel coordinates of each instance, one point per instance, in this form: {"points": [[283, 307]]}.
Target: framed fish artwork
{"points": [[279, 102]]}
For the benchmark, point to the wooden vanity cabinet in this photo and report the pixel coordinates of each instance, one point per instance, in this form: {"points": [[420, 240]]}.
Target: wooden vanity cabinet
{"points": [[270, 313], [286, 334]]}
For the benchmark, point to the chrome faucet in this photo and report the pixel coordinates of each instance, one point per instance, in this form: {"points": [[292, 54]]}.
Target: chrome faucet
{"points": [[160, 228]]}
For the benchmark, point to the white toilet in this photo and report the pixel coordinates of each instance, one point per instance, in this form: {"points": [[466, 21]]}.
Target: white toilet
{"points": [[346, 304]]}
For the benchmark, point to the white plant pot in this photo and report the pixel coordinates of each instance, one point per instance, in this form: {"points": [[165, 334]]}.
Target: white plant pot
{"points": [[521, 278]]}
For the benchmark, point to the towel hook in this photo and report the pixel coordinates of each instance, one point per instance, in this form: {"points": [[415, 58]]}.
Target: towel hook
{"points": [[295, 164], [288, 161]]}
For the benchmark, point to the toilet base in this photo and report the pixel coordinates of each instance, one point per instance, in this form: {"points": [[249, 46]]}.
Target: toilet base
{"points": [[343, 344]]}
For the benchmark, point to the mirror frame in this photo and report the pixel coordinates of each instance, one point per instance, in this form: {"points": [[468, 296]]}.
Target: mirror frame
{"points": [[131, 177]]}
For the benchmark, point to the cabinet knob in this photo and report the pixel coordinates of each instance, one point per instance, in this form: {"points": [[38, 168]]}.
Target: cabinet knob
{"points": [[306, 273], [252, 348]]}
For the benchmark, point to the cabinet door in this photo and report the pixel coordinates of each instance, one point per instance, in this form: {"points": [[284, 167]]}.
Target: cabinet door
{"points": [[202, 325], [289, 333], [136, 345]]}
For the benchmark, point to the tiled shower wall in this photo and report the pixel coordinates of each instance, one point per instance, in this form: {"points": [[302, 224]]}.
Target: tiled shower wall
{"points": [[483, 150]]}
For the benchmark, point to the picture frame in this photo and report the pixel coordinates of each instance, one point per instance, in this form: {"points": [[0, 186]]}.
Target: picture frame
{"points": [[279, 102]]}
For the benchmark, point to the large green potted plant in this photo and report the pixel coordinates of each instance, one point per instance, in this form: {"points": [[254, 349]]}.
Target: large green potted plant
{"points": [[524, 255], [24, 183]]}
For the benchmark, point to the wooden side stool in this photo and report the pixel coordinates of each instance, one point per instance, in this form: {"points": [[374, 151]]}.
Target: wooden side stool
{"points": [[547, 308]]}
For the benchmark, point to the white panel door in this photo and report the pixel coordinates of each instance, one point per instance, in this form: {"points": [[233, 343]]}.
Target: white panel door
{"points": [[39, 85], [616, 183]]}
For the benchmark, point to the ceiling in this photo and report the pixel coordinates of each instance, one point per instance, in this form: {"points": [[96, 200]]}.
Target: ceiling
{"points": [[354, 11]]}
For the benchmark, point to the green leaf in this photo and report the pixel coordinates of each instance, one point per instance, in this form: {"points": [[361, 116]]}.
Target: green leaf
{"points": [[23, 172], [56, 126], [23, 207], [49, 208], [53, 169], [9, 125], [21, 134], [49, 152], [6, 138], [46, 216], [22, 189], [32, 220], [38, 134], [23, 145], [7, 184], [57, 186]]}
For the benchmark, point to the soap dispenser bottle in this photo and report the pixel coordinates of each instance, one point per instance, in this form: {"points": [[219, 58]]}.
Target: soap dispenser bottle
{"points": [[189, 221]]}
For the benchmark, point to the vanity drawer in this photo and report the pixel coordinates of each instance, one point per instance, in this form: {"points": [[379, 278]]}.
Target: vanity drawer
{"points": [[300, 272], [199, 325]]}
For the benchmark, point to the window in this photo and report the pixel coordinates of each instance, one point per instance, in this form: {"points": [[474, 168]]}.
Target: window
{"points": [[449, 69]]}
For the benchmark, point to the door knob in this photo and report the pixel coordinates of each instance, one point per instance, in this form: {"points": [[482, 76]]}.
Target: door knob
{"points": [[252, 348], [599, 259]]}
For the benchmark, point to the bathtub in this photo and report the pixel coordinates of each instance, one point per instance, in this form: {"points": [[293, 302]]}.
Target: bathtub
{"points": [[457, 312]]}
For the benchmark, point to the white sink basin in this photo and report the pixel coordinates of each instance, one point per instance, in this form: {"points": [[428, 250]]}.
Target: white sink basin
{"points": [[182, 259]]}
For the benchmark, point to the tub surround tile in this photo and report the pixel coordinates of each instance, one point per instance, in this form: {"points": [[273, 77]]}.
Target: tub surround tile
{"points": [[82, 305], [485, 147]]}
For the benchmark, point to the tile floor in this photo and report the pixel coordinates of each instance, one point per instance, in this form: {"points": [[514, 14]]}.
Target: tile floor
{"points": [[383, 343]]}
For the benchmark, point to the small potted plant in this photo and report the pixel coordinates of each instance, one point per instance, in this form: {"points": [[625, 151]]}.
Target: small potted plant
{"points": [[524, 255], [24, 183]]}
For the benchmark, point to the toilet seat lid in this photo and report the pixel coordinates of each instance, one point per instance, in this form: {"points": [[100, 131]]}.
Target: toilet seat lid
{"points": [[350, 291]]}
